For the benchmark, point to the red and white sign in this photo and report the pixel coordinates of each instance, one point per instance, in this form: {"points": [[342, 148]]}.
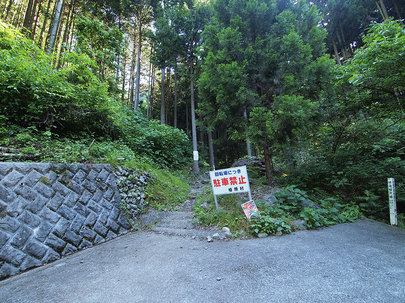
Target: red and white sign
{"points": [[232, 180], [250, 209]]}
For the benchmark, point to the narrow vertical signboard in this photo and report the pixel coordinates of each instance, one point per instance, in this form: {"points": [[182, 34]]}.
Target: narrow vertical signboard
{"points": [[232, 180], [392, 200], [250, 209]]}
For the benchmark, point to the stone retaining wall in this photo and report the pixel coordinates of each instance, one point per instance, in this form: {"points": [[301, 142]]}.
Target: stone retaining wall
{"points": [[49, 210]]}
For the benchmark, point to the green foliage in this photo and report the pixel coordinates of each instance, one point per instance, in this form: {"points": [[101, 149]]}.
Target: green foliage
{"points": [[269, 225], [45, 146], [162, 144], [292, 199], [359, 136], [369, 151], [379, 65], [293, 203], [265, 58], [230, 215], [401, 221], [33, 93], [101, 43], [329, 214], [54, 115]]}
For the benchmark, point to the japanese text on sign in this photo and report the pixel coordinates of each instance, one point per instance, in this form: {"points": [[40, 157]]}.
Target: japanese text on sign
{"points": [[230, 181], [392, 201]]}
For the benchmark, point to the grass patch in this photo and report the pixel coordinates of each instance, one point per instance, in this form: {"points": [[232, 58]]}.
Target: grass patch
{"points": [[401, 220], [230, 215], [166, 190]]}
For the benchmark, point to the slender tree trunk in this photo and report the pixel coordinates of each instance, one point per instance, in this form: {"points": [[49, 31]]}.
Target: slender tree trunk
{"points": [[248, 144], [162, 103], [49, 26], [383, 10], [18, 14], [345, 56], [152, 90], [66, 32], [123, 79], [4, 8], [187, 119], [132, 73], [337, 56], [27, 18], [34, 30], [149, 87], [211, 150], [396, 8], [175, 100], [46, 17], [267, 161], [168, 95], [55, 25], [138, 67], [10, 4], [71, 26], [193, 124], [58, 41], [33, 17]]}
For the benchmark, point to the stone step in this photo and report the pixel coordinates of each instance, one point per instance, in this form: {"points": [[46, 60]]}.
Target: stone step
{"points": [[179, 215], [177, 223], [192, 233]]}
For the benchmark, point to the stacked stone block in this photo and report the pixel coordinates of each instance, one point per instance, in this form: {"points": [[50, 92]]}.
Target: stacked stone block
{"points": [[49, 210]]}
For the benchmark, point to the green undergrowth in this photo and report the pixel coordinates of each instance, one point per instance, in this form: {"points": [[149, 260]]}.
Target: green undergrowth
{"points": [[167, 189], [291, 204], [230, 213], [72, 115]]}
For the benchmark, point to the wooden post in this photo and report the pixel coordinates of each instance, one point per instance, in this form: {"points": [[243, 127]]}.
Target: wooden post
{"points": [[392, 201]]}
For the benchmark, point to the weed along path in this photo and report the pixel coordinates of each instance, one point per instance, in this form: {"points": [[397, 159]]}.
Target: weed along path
{"points": [[175, 260]]}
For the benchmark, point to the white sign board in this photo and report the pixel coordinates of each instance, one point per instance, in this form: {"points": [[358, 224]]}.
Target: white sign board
{"points": [[195, 155], [232, 180], [392, 200]]}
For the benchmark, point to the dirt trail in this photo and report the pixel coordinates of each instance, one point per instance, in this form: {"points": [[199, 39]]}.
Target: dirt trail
{"points": [[181, 222]]}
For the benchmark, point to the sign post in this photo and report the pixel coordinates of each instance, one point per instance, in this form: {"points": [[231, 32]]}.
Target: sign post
{"points": [[227, 181], [392, 200]]}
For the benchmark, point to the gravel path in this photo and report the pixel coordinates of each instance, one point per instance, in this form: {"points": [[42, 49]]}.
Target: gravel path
{"points": [[356, 262], [168, 262]]}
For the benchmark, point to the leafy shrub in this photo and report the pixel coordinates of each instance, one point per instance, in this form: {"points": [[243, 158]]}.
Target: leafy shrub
{"points": [[357, 171], [73, 106], [32, 92], [292, 199], [162, 144], [293, 203], [269, 225], [329, 215]]}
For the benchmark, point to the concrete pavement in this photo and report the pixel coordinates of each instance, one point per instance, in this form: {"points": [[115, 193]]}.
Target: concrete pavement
{"points": [[358, 262]]}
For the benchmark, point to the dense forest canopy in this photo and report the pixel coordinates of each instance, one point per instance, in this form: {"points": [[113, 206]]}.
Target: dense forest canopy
{"points": [[315, 88]]}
